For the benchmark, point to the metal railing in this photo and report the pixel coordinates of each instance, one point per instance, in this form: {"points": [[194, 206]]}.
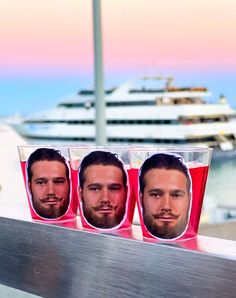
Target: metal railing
{"points": [[51, 260]]}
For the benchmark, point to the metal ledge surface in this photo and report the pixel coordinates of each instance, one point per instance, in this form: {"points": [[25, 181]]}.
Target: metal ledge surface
{"points": [[63, 261]]}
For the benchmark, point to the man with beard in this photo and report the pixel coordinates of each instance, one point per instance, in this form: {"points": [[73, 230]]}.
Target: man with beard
{"points": [[103, 189], [48, 183], [165, 195]]}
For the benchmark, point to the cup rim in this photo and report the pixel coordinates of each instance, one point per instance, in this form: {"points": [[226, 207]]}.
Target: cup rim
{"points": [[173, 149]]}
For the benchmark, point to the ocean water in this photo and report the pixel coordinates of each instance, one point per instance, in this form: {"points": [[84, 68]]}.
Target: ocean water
{"points": [[220, 195]]}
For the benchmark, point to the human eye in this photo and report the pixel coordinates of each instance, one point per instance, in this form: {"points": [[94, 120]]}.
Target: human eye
{"points": [[40, 181], [94, 188], [155, 194], [59, 181], [177, 194], [115, 187]]}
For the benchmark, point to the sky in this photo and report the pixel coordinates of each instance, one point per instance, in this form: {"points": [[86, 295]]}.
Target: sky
{"points": [[46, 47]]}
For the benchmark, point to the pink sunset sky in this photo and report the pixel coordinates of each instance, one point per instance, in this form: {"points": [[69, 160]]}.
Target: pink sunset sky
{"points": [[137, 34], [54, 38]]}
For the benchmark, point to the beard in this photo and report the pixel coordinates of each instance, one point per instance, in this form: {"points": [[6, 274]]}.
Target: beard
{"points": [[104, 221], [164, 231], [50, 211]]}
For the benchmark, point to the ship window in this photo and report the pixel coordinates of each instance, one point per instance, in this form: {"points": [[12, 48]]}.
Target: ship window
{"points": [[143, 122], [161, 141], [71, 122], [110, 122], [92, 92], [131, 103], [208, 119], [71, 105]]}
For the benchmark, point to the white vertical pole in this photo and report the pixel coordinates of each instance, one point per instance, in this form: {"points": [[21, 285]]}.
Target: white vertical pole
{"points": [[98, 73]]}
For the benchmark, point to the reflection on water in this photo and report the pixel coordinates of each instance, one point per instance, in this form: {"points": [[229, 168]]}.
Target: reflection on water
{"points": [[221, 190]]}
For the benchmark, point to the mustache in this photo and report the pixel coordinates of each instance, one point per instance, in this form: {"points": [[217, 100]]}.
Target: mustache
{"points": [[50, 199], [102, 206], [167, 214]]}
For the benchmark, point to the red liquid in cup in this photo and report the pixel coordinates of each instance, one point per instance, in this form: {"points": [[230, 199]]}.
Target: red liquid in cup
{"points": [[72, 207], [199, 176]]}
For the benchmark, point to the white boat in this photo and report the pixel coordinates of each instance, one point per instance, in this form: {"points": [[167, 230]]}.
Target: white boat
{"points": [[149, 110]]}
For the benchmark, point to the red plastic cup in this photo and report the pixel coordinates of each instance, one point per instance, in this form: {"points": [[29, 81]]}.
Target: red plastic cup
{"points": [[102, 180], [169, 185], [48, 182]]}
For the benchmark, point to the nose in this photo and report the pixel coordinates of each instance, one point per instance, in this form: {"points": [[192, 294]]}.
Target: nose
{"points": [[105, 196], [166, 203], [50, 188]]}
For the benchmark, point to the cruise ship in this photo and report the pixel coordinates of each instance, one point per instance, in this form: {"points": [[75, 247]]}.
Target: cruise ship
{"points": [[143, 111]]}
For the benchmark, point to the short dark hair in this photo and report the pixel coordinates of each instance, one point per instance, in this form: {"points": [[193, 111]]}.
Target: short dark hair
{"points": [[48, 154], [163, 161], [104, 158]]}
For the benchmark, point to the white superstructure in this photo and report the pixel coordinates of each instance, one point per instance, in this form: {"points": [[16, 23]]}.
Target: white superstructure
{"points": [[150, 110]]}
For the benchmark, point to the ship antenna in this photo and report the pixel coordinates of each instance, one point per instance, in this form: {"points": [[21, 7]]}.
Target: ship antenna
{"points": [[169, 81], [222, 99]]}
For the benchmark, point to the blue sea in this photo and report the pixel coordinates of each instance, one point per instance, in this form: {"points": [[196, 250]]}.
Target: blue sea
{"points": [[220, 195]]}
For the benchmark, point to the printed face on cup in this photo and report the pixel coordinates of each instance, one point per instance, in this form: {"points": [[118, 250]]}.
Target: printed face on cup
{"points": [[103, 189], [165, 195], [48, 183]]}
